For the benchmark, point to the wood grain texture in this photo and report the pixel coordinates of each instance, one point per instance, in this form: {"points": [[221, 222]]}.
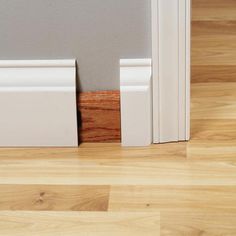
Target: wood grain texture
{"points": [[100, 116], [53, 198], [213, 129], [173, 198], [95, 151], [213, 41], [198, 224], [213, 73], [217, 150], [79, 224], [176, 189], [120, 169], [214, 49], [209, 29], [213, 10], [207, 102]]}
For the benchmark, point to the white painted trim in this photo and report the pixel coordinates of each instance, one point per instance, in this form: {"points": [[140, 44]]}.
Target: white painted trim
{"points": [[171, 70], [155, 71], [136, 102], [182, 70], [188, 65], [37, 63], [27, 73], [135, 62], [38, 103]]}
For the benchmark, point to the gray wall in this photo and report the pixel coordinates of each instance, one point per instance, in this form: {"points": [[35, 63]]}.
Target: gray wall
{"points": [[96, 32]]}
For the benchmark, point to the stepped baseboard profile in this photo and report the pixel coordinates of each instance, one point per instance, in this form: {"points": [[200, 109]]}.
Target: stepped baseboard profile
{"points": [[136, 102], [41, 103]]}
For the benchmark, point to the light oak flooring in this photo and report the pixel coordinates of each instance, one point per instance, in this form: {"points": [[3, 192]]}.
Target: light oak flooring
{"points": [[213, 41], [177, 189]]}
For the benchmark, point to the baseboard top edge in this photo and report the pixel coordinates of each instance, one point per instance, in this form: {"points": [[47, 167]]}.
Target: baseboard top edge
{"points": [[136, 62], [37, 63]]}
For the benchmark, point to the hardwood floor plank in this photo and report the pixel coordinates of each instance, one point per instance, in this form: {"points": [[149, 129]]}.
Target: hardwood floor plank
{"points": [[223, 30], [212, 150], [214, 10], [207, 102], [213, 90], [214, 108], [213, 42], [98, 151], [53, 198], [118, 171], [173, 198], [211, 74], [79, 224], [214, 51], [213, 130], [198, 224]]}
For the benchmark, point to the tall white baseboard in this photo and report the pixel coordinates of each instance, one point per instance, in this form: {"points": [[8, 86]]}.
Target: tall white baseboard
{"points": [[38, 103], [136, 102]]}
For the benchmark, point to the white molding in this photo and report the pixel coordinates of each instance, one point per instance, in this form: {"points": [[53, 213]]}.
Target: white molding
{"points": [[37, 74], [188, 65], [155, 71], [171, 70], [136, 102], [38, 103], [37, 63]]}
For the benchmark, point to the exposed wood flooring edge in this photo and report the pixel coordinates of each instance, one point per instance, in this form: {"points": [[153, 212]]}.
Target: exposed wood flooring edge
{"points": [[99, 116]]}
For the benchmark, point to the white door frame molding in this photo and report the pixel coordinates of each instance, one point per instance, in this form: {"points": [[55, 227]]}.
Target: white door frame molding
{"points": [[171, 70]]}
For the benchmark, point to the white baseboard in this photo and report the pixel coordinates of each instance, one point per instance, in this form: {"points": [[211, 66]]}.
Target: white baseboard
{"points": [[136, 102], [38, 103]]}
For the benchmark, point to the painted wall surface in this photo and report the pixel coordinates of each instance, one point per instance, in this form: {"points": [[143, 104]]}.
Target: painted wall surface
{"points": [[96, 32]]}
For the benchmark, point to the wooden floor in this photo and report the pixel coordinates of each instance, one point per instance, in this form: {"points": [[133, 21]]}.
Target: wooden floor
{"points": [[178, 189]]}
